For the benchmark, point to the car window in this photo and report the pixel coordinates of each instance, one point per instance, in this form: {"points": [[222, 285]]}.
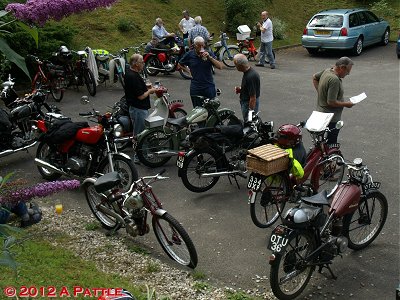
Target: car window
{"points": [[326, 21], [371, 18], [353, 20], [362, 17]]}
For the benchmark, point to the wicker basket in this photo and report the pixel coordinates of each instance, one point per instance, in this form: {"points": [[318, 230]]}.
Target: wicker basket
{"points": [[267, 159]]}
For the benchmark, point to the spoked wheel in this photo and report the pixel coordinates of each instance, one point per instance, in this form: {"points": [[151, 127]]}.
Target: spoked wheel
{"points": [[152, 143], [57, 89], [174, 240], [328, 176], [151, 66], [124, 167], [179, 113], [289, 274], [269, 201], [94, 199], [89, 82], [365, 224], [227, 57], [44, 152], [195, 166]]}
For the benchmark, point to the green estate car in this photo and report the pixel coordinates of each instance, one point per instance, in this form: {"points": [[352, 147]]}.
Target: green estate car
{"points": [[344, 29]]}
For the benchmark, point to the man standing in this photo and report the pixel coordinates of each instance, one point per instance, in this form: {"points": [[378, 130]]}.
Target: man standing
{"points": [[198, 30], [328, 84], [250, 87], [200, 62], [266, 41], [186, 24], [161, 34]]}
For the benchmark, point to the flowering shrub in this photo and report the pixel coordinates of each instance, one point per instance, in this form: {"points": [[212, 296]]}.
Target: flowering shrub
{"points": [[38, 12]]}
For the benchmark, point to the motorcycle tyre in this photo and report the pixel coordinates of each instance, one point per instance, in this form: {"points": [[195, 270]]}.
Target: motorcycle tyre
{"points": [[90, 82], [106, 221], [184, 171], [185, 74], [281, 293], [132, 170], [48, 175], [152, 62], [271, 206], [225, 58], [348, 220], [179, 112], [143, 158], [56, 93], [165, 245]]}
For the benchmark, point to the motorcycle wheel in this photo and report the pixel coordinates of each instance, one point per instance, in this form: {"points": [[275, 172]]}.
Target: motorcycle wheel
{"points": [[289, 274], [149, 144], [185, 72], [270, 200], [44, 152], [179, 113], [363, 226], [152, 62], [196, 164], [89, 82], [124, 167], [228, 60], [328, 176], [174, 240], [56, 89], [93, 199]]}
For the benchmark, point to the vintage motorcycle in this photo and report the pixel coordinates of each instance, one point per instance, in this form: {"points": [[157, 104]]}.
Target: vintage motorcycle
{"points": [[18, 130], [165, 137], [223, 51], [83, 151], [8, 95], [220, 151], [311, 235], [131, 209], [165, 60]]}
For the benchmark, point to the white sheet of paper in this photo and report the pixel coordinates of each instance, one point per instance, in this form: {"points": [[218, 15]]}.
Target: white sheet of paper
{"points": [[358, 98], [318, 121]]}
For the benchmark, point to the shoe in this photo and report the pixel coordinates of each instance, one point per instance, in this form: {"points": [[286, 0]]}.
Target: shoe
{"points": [[259, 65], [272, 66]]}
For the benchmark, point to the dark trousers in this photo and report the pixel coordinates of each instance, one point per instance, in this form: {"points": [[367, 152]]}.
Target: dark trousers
{"points": [[333, 134]]}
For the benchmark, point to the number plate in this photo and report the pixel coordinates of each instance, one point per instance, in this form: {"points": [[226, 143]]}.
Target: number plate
{"points": [[279, 239], [322, 32], [372, 185], [179, 161], [254, 182]]}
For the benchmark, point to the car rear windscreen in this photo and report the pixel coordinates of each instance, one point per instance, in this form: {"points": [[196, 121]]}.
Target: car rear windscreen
{"points": [[335, 21]]}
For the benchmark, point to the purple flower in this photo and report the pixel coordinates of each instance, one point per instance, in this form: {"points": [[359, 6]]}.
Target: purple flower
{"points": [[38, 12], [38, 191]]}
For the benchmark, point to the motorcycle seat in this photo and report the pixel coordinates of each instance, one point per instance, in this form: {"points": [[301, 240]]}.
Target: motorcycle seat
{"points": [[107, 182], [320, 199], [250, 39], [179, 122], [160, 50]]}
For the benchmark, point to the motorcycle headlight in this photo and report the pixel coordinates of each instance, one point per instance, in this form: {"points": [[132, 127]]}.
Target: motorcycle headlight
{"points": [[118, 130]]}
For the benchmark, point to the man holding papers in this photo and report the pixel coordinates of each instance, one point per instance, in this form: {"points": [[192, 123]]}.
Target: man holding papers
{"points": [[328, 84]]}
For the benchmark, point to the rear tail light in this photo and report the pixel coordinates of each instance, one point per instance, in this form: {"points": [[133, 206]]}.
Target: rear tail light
{"points": [[343, 31], [305, 31]]}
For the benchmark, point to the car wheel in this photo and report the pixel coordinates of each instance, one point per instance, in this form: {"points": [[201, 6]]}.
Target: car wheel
{"points": [[312, 51], [358, 46], [385, 37]]}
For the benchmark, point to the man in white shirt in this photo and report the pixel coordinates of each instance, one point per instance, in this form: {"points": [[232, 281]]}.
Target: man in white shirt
{"points": [[186, 24], [160, 34], [266, 41]]}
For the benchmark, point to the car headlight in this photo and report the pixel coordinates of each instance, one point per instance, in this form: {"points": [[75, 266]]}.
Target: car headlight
{"points": [[118, 130]]}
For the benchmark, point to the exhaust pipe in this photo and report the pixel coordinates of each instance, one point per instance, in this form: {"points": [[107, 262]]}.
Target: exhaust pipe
{"points": [[10, 151], [166, 153], [108, 211], [122, 140], [156, 69], [46, 165], [223, 173]]}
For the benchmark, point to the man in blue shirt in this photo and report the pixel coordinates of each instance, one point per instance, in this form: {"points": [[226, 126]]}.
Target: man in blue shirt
{"points": [[200, 62], [198, 30], [161, 34]]}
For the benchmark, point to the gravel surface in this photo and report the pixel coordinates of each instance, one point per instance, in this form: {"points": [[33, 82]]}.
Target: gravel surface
{"points": [[111, 254]]}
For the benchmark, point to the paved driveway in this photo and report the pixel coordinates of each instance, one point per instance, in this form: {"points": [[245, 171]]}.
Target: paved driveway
{"points": [[232, 251]]}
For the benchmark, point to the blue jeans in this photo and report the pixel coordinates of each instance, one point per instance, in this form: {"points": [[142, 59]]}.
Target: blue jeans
{"points": [[244, 105], [266, 49], [20, 210], [137, 116]]}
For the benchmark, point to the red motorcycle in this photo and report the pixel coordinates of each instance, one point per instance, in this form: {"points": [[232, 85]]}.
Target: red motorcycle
{"points": [[165, 60], [80, 150], [311, 237]]}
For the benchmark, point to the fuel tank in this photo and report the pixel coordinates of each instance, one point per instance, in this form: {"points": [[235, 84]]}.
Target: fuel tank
{"points": [[89, 135], [345, 200], [198, 114]]}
